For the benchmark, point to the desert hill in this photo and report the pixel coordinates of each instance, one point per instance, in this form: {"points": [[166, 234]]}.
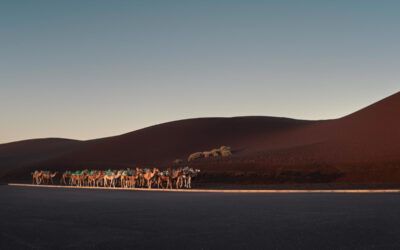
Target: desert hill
{"points": [[363, 146], [21, 154]]}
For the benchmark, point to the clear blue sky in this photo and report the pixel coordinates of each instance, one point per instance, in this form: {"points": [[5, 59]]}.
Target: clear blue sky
{"points": [[88, 69]]}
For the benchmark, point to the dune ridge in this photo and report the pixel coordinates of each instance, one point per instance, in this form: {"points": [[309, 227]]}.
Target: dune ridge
{"points": [[361, 147]]}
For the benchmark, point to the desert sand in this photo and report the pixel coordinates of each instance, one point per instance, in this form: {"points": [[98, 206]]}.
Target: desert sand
{"points": [[362, 147]]}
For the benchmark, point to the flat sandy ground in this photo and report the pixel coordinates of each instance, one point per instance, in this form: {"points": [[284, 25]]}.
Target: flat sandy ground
{"points": [[40, 218]]}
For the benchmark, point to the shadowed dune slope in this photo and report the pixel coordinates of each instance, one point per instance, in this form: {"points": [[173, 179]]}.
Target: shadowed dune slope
{"points": [[22, 154], [163, 143], [159, 144], [369, 137]]}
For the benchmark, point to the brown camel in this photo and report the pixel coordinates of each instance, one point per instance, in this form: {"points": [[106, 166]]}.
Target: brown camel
{"points": [[149, 175], [129, 178], [131, 181], [78, 178], [92, 178], [164, 177], [125, 177], [36, 177], [141, 180], [47, 177], [100, 179], [74, 179], [177, 176], [66, 176], [111, 179]]}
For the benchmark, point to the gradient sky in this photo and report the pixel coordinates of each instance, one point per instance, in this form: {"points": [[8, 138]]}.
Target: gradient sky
{"points": [[88, 69]]}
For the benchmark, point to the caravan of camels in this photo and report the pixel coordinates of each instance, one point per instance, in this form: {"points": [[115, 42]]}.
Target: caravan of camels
{"points": [[128, 178], [133, 178]]}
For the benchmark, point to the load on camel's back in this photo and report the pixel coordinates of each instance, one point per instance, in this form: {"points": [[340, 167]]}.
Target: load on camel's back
{"points": [[223, 151]]}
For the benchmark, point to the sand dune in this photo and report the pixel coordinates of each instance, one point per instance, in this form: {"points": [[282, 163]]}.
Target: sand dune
{"points": [[363, 147]]}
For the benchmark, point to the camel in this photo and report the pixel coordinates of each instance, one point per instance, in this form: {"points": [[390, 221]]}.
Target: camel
{"points": [[177, 176], [84, 177], [189, 173], [110, 178], [78, 178], [52, 176], [74, 179], [116, 178], [47, 177], [125, 177], [66, 176], [100, 179], [164, 177], [139, 173], [93, 177], [131, 181], [36, 177], [148, 175]]}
